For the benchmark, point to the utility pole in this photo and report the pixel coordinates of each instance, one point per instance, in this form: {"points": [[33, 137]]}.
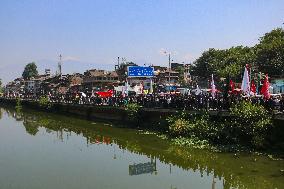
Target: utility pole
{"points": [[59, 65], [169, 54], [169, 68]]}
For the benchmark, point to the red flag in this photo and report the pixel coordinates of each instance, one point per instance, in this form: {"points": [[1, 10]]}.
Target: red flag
{"points": [[232, 85], [103, 94], [253, 87], [265, 88]]}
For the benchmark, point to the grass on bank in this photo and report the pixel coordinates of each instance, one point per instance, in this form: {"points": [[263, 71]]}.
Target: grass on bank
{"points": [[246, 128]]}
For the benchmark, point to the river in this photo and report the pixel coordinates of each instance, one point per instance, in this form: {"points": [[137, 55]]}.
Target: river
{"points": [[47, 151]]}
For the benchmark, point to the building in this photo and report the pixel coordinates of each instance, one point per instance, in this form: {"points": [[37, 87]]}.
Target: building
{"points": [[277, 85], [187, 75], [14, 88], [99, 80], [75, 83], [55, 85], [175, 66], [30, 86], [167, 77], [34, 85]]}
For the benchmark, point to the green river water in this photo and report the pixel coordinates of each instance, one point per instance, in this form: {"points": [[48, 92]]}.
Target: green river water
{"points": [[47, 151]]}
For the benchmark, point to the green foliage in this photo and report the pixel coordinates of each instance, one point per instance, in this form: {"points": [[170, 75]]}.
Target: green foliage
{"points": [[270, 52], [250, 123], [223, 62], [192, 125], [30, 71], [178, 126], [44, 102], [266, 57], [132, 110], [18, 105], [190, 130], [1, 89], [192, 142]]}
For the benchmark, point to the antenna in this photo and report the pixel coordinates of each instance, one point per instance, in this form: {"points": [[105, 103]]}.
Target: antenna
{"points": [[59, 65]]}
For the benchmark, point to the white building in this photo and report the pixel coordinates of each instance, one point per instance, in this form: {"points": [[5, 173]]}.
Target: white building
{"points": [[278, 85]]}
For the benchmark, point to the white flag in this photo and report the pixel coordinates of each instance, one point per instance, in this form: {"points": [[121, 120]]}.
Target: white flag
{"points": [[83, 94], [197, 90], [213, 87], [125, 89], [151, 86], [246, 83]]}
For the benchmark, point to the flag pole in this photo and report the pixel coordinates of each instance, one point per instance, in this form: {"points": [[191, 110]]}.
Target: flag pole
{"points": [[249, 82]]}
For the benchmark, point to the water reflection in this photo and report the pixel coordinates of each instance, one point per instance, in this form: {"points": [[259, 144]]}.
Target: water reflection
{"points": [[240, 171], [143, 168]]}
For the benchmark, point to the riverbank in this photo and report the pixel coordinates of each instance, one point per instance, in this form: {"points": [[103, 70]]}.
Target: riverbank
{"points": [[156, 120]]}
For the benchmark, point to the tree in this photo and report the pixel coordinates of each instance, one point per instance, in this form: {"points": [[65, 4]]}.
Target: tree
{"points": [[270, 53], [223, 63], [1, 89], [180, 70], [30, 71], [234, 61], [202, 66]]}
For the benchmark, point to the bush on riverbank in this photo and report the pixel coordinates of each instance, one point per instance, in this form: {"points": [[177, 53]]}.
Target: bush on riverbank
{"points": [[248, 125], [197, 125], [178, 124], [132, 110], [44, 102], [18, 104]]}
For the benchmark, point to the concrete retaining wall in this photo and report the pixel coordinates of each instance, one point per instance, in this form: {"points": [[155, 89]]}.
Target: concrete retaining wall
{"points": [[148, 117]]}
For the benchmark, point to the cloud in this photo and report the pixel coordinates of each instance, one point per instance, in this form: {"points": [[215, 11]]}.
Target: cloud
{"points": [[175, 53], [189, 57], [163, 51], [70, 58], [64, 59]]}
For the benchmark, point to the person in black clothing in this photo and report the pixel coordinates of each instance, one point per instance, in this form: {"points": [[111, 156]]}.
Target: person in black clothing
{"points": [[282, 103]]}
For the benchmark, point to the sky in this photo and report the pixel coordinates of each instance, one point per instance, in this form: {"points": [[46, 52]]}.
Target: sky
{"points": [[93, 33]]}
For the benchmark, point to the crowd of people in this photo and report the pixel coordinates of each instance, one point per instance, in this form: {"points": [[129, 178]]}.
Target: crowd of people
{"points": [[191, 101]]}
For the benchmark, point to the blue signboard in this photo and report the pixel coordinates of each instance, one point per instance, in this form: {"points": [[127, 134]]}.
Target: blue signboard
{"points": [[139, 71]]}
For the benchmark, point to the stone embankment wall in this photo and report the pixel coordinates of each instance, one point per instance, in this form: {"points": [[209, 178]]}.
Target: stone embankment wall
{"points": [[148, 117]]}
